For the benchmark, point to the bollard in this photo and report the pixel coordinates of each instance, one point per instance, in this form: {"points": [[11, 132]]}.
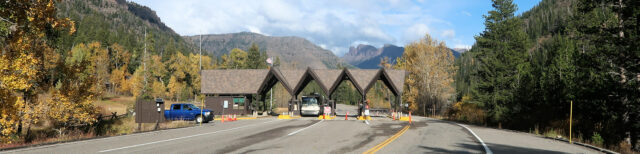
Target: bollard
{"points": [[323, 116], [409, 117]]}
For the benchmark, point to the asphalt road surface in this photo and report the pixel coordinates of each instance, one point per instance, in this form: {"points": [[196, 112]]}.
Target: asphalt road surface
{"points": [[342, 110], [309, 135]]}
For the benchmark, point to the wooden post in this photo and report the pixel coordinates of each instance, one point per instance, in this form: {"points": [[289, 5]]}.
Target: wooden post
{"points": [[157, 125]]}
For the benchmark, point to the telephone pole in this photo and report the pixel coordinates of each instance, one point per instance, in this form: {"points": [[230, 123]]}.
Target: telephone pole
{"points": [[200, 51]]}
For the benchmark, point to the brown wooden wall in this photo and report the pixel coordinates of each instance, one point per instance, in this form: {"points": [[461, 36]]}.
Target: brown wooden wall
{"points": [[215, 103], [147, 111]]}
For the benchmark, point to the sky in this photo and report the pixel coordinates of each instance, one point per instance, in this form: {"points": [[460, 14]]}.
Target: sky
{"points": [[331, 24]]}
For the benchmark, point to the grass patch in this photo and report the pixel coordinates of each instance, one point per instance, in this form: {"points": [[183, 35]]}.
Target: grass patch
{"points": [[42, 132]]}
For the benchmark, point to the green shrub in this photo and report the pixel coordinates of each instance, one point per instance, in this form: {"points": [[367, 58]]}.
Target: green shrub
{"points": [[597, 139]]}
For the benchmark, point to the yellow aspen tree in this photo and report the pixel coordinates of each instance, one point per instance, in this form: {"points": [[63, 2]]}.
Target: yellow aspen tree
{"points": [[137, 82], [100, 66], [25, 58], [71, 103], [158, 68], [175, 87], [157, 89], [120, 58], [431, 69]]}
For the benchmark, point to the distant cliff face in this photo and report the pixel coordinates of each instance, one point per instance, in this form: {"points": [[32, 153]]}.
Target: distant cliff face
{"points": [[294, 52], [369, 57]]}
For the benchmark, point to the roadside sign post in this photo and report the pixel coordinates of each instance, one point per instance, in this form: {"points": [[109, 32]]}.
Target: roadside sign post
{"points": [[202, 104], [570, 121]]}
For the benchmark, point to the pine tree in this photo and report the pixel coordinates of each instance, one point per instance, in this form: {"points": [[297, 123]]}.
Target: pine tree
{"points": [[501, 52], [608, 33], [254, 57], [277, 62]]}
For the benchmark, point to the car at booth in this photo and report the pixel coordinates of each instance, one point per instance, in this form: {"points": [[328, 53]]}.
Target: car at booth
{"points": [[310, 105], [189, 112]]}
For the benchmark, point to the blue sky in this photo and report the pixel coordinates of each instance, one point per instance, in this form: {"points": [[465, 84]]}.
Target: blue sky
{"points": [[333, 25]]}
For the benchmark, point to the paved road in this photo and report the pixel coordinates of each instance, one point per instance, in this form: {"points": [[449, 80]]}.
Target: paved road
{"points": [[309, 135], [342, 109]]}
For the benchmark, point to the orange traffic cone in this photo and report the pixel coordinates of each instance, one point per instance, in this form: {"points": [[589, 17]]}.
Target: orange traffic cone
{"points": [[346, 116], [222, 118], [393, 114], [234, 117]]}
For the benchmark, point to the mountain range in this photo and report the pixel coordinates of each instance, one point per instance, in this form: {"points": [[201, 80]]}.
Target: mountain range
{"points": [[293, 52], [125, 23], [369, 57]]}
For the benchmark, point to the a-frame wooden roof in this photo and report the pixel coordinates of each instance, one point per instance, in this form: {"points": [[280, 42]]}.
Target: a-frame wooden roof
{"points": [[253, 81]]}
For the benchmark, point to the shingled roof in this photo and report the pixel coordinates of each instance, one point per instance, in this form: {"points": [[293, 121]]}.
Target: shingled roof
{"points": [[327, 77], [250, 81], [292, 77], [363, 78], [397, 78], [232, 81]]}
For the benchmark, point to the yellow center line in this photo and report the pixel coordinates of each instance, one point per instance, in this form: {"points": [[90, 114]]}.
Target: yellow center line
{"points": [[386, 142]]}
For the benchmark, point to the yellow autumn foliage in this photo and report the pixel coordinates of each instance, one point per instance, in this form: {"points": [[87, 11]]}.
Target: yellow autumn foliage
{"points": [[431, 69]]}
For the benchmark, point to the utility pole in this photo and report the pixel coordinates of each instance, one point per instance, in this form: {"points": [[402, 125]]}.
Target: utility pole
{"points": [[144, 61], [271, 97], [200, 71], [200, 51]]}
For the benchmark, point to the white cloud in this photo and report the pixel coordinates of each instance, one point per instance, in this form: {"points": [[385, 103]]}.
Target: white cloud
{"points": [[449, 33], [466, 13], [462, 46], [335, 25], [415, 32], [254, 29]]}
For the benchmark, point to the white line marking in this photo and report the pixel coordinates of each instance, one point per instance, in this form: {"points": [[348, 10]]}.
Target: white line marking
{"points": [[486, 149], [167, 140], [90, 140], [305, 128], [366, 122]]}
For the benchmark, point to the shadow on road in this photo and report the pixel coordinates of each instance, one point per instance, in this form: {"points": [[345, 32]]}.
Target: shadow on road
{"points": [[495, 148], [261, 137], [383, 130]]}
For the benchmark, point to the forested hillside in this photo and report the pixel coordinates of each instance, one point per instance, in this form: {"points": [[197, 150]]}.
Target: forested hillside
{"points": [[523, 71], [119, 22], [294, 52], [61, 57]]}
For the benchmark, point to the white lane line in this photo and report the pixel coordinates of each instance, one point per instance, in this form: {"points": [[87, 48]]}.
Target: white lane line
{"points": [[486, 149], [167, 140], [91, 140], [297, 131]]}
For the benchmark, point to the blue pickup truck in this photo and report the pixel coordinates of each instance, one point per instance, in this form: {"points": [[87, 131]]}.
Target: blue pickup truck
{"points": [[188, 112]]}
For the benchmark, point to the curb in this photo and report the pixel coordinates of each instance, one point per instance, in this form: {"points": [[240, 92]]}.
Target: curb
{"points": [[557, 139], [582, 144]]}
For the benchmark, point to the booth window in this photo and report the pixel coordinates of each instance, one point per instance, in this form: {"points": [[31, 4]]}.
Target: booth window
{"points": [[238, 102]]}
